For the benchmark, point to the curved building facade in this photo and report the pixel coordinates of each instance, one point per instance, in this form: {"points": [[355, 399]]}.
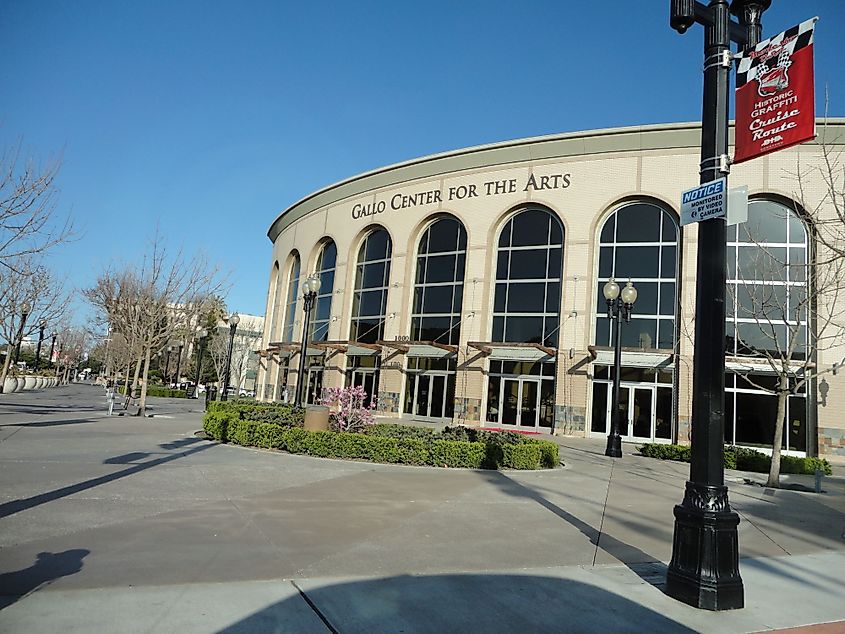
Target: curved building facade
{"points": [[466, 288]]}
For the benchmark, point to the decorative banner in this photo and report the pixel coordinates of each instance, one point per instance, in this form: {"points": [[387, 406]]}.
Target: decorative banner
{"points": [[775, 96]]}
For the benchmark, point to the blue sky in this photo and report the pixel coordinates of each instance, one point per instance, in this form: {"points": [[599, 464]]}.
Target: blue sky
{"points": [[209, 118]]}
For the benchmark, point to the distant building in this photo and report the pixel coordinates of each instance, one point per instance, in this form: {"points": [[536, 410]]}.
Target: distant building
{"points": [[247, 341]]}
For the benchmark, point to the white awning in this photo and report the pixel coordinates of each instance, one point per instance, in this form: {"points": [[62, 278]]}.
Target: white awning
{"points": [[428, 351], [361, 351], [657, 360]]}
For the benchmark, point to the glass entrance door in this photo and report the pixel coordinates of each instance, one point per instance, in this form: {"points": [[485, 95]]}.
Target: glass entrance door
{"points": [[367, 379], [430, 396], [636, 412], [520, 402]]}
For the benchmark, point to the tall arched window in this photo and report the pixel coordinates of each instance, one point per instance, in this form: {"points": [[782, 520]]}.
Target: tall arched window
{"points": [[526, 306], [639, 241], [369, 302], [526, 309], [290, 304], [276, 303], [439, 283], [326, 263], [436, 317], [320, 318], [766, 309]]}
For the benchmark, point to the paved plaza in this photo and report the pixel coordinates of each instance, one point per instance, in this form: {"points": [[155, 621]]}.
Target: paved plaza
{"points": [[124, 524]]}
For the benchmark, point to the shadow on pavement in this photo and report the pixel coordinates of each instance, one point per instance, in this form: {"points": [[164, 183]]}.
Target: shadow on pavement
{"points": [[53, 423], [47, 567], [458, 603], [16, 506]]}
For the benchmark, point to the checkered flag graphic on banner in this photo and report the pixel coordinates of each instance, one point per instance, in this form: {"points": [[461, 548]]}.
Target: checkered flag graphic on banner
{"points": [[752, 66]]}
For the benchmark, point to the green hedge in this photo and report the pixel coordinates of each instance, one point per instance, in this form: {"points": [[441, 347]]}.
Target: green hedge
{"points": [[378, 445], [741, 458], [157, 390], [275, 413]]}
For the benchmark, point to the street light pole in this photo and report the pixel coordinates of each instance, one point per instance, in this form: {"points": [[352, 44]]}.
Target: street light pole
{"points": [[41, 328], [167, 366], [178, 362], [52, 348], [704, 571], [201, 335], [310, 288], [619, 307], [25, 310], [233, 326]]}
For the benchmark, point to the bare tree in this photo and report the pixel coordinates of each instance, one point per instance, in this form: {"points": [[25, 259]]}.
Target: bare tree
{"points": [[153, 303], [28, 220], [28, 285]]}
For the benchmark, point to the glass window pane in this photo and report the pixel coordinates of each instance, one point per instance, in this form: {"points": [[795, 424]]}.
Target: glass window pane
{"points": [[502, 265], [531, 227], [370, 303], [554, 271], [762, 264], [797, 231], [602, 331], [607, 231], [373, 275], [638, 223], [524, 329], [556, 232], [530, 264], [646, 303], [377, 246], [499, 301], [552, 330], [670, 229], [526, 298], [666, 334], [766, 222], [505, 236], [599, 417], [640, 333], [438, 299], [667, 298], [731, 271], [755, 418], [498, 329], [637, 262], [434, 328], [553, 297], [796, 423], [440, 268], [457, 301], [605, 262], [443, 236], [729, 416], [328, 257], [668, 263], [323, 308], [420, 279]]}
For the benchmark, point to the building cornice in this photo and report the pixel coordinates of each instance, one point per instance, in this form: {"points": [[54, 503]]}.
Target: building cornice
{"points": [[644, 138]]}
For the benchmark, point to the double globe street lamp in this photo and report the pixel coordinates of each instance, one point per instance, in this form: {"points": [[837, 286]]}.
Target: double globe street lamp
{"points": [[41, 327], [310, 288], [620, 305], [202, 333], [233, 326]]}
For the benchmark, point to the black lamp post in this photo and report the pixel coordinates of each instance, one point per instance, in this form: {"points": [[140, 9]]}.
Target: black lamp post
{"points": [[167, 365], [41, 328], [178, 362], [704, 571], [233, 326], [202, 333], [310, 288], [619, 307], [26, 308], [52, 348]]}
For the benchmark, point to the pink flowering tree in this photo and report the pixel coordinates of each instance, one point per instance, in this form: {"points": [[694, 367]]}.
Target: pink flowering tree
{"points": [[349, 409]]}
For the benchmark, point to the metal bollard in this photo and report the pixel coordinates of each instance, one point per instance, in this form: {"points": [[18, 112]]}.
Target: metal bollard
{"points": [[819, 475]]}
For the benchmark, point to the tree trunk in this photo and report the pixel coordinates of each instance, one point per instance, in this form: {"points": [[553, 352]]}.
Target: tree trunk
{"points": [[5, 372], [126, 392], [134, 381], [142, 405], [774, 470]]}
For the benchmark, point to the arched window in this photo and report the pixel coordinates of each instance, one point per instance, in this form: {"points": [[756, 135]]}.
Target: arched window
{"points": [[438, 288], [276, 302], [766, 311], [526, 309], [526, 305], [639, 241], [290, 304], [436, 317], [326, 263], [369, 302]]}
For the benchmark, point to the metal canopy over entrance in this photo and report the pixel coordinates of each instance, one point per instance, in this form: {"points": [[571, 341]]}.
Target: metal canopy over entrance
{"points": [[513, 351]]}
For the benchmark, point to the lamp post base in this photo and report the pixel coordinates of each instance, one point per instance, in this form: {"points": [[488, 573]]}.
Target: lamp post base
{"points": [[704, 571], [614, 446]]}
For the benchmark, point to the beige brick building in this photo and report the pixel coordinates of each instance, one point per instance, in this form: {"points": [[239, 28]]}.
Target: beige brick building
{"points": [[466, 287]]}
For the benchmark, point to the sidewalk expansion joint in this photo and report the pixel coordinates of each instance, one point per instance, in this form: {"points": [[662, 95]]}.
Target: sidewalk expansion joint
{"points": [[314, 608]]}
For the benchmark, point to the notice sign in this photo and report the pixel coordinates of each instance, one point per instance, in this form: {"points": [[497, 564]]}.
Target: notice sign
{"points": [[775, 94], [704, 202]]}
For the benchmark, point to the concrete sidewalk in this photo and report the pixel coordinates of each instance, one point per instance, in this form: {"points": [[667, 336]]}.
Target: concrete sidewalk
{"points": [[122, 524]]}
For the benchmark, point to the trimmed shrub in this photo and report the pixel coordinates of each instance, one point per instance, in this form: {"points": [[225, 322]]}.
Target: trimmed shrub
{"points": [[276, 413], [741, 458], [382, 443], [157, 390]]}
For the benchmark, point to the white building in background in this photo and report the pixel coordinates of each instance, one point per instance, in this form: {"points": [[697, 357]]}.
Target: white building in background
{"points": [[248, 334]]}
